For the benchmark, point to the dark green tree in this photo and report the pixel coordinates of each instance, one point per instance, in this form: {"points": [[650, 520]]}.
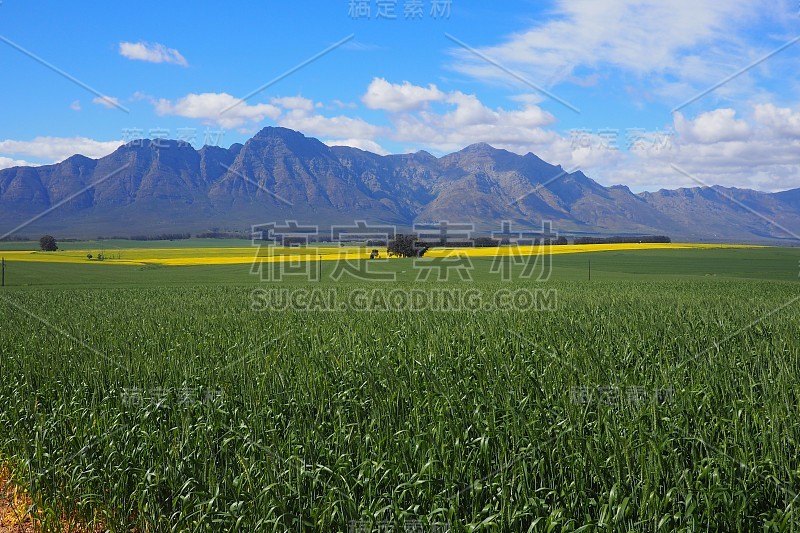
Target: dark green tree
{"points": [[48, 243], [486, 242], [407, 246]]}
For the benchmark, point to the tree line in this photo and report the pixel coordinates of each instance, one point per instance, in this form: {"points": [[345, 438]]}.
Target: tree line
{"points": [[412, 246], [624, 240], [405, 245]]}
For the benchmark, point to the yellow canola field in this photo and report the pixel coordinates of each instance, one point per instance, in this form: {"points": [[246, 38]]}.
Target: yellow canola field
{"points": [[247, 255]]}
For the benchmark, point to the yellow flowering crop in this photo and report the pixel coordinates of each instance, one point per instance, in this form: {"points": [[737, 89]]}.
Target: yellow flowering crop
{"points": [[246, 255]]}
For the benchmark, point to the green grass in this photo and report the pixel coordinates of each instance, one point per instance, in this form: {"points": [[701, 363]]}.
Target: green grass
{"points": [[124, 244], [158, 399]]}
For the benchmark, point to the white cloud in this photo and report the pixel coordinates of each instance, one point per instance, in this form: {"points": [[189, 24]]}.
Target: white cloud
{"points": [[55, 149], [399, 97], [299, 113], [7, 162], [362, 144], [217, 108], [693, 41], [469, 111], [519, 131], [529, 98], [712, 127], [753, 164], [294, 102], [138, 96], [458, 120], [295, 112], [780, 120], [344, 105], [106, 101], [338, 127], [762, 158], [75, 105], [596, 154], [152, 53]]}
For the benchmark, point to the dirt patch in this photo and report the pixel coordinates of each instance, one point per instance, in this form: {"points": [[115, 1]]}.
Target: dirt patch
{"points": [[14, 505], [14, 510]]}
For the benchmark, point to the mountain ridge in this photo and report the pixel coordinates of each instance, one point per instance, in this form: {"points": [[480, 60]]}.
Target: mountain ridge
{"points": [[164, 186]]}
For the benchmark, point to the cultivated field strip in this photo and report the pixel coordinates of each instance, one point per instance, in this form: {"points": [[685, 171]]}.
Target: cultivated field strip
{"points": [[654, 406]]}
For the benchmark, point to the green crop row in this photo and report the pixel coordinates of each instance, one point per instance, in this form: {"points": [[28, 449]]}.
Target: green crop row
{"points": [[641, 406]]}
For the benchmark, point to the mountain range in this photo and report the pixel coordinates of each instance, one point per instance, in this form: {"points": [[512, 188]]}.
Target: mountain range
{"points": [[164, 186]]}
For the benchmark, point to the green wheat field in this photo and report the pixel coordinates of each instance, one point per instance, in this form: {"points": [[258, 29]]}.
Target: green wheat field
{"points": [[661, 395]]}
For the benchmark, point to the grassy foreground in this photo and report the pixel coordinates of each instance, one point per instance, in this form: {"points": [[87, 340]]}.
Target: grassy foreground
{"points": [[660, 396]]}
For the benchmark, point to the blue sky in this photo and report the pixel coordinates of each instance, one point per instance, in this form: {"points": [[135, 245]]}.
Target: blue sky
{"points": [[589, 84]]}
